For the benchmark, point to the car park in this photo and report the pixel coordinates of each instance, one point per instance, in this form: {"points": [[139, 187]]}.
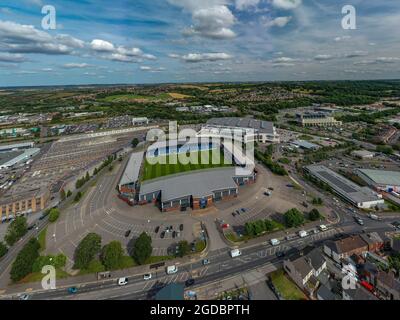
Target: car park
{"points": [[122, 281]]}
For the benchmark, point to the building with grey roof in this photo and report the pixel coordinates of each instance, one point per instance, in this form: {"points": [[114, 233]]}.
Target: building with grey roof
{"points": [[249, 128], [363, 154], [10, 159], [380, 179], [17, 146], [129, 182], [361, 197], [196, 189], [305, 145]]}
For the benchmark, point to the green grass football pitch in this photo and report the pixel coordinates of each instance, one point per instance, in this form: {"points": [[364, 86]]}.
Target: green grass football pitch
{"points": [[153, 171]]}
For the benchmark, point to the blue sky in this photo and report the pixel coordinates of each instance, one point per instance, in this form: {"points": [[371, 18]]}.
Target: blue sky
{"points": [[140, 41]]}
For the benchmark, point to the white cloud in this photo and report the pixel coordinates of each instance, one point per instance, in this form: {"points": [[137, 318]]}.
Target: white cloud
{"points": [[286, 4], [152, 69], [277, 22], [202, 57], [13, 58], [211, 18], [75, 65], [245, 4], [323, 57], [102, 46]]}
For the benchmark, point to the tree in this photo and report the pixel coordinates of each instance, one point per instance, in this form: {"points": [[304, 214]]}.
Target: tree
{"points": [[135, 142], [57, 262], [112, 255], [142, 248], [293, 218], [23, 263], [69, 193], [183, 248], [54, 214], [16, 230], [317, 201], [78, 196], [63, 195], [3, 249], [314, 215], [87, 250], [87, 177]]}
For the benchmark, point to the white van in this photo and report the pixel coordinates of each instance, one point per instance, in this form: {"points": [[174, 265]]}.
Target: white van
{"points": [[303, 234], [236, 253], [172, 269], [122, 281], [323, 227], [275, 242]]}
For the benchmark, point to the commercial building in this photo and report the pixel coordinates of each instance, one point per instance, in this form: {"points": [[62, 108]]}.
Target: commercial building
{"points": [[197, 189], [242, 129], [381, 180], [363, 154], [129, 183], [309, 119], [14, 204], [11, 158], [18, 146], [305, 145], [140, 121], [361, 197]]}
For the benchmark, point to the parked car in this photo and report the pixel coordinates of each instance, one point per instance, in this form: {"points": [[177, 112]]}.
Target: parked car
{"points": [[303, 234], [236, 253], [24, 296], [174, 234], [172, 269], [233, 214], [122, 281], [128, 233], [280, 254], [181, 227], [157, 229], [274, 242], [162, 235]]}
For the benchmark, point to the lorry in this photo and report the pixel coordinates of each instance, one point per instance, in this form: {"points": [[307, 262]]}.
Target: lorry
{"points": [[236, 253]]}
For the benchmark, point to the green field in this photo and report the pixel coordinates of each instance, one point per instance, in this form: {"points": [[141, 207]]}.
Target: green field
{"points": [[131, 97], [153, 171]]}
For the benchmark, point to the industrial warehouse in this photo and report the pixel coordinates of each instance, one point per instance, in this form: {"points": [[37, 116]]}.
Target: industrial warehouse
{"points": [[380, 180], [361, 197]]}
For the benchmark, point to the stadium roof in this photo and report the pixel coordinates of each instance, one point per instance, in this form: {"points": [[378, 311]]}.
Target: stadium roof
{"points": [[132, 170], [198, 184], [343, 186], [259, 125], [390, 178]]}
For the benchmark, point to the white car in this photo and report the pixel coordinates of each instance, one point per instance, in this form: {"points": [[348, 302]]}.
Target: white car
{"points": [[147, 276], [303, 234], [172, 269], [323, 227], [122, 281], [275, 242]]}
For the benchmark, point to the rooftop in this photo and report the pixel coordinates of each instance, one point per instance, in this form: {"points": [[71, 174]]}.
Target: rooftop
{"points": [[8, 156], [347, 244], [198, 184], [382, 177], [259, 125], [342, 185], [131, 173], [305, 144]]}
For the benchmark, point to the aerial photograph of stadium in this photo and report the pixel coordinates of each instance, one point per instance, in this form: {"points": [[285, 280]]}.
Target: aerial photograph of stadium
{"points": [[187, 157]]}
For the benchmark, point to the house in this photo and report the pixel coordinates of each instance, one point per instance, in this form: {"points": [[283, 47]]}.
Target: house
{"points": [[344, 248], [358, 294], [387, 285], [304, 269], [374, 241], [395, 245]]}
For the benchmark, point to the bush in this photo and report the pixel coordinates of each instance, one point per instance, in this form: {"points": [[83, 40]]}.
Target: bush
{"points": [[23, 264], [314, 215], [142, 248], [293, 218], [95, 266], [16, 230], [183, 248], [3, 249], [112, 256], [87, 250], [54, 215], [256, 228]]}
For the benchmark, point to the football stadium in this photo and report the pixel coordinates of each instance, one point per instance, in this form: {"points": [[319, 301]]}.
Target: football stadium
{"points": [[177, 175]]}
